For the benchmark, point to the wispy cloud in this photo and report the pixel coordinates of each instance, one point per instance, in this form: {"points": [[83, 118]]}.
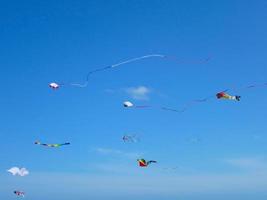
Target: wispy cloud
{"points": [[116, 152], [138, 93]]}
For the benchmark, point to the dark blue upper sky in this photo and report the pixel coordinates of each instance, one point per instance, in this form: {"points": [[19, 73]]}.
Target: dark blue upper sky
{"points": [[219, 147]]}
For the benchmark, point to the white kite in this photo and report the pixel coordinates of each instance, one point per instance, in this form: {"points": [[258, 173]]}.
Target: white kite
{"points": [[109, 67], [17, 171], [127, 104], [54, 86]]}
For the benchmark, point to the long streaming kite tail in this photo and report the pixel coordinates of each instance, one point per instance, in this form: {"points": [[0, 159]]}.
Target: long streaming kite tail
{"points": [[137, 58], [173, 58], [67, 143], [201, 61], [171, 109], [196, 101], [161, 56], [252, 86], [144, 106], [255, 86], [85, 84], [97, 70], [163, 108], [80, 85]]}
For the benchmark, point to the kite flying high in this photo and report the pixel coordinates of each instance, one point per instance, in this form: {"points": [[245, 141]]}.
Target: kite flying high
{"points": [[51, 145], [130, 138], [55, 85], [143, 163], [19, 193], [223, 95]]}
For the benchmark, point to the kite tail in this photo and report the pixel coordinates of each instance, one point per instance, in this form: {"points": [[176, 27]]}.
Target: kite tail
{"points": [[136, 59], [67, 143], [161, 56], [162, 108], [255, 86], [247, 87], [159, 107], [201, 61], [144, 106], [85, 84], [196, 101], [79, 85], [171, 109]]}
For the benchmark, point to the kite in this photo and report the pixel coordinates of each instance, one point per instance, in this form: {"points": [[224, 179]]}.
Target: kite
{"points": [[51, 145], [55, 85], [223, 95], [130, 138], [17, 171], [128, 104], [220, 95], [19, 193], [189, 104], [144, 163]]}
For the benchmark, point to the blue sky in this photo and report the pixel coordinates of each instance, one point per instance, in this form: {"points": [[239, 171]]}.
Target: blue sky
{"points": [[218, 147]]}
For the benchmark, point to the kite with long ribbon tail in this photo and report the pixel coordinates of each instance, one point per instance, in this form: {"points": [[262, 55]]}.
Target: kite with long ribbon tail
{"points": [[51, 145], [128, 104], [55, 86], [223, 95], [143, 163]]}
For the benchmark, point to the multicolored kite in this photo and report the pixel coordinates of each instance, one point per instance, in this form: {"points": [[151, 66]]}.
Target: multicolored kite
{"points": [[223, 95], [51, 145], [143, 163]]}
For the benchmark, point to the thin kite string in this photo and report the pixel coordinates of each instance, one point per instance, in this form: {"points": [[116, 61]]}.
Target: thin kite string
{"points": [[115, 65]]}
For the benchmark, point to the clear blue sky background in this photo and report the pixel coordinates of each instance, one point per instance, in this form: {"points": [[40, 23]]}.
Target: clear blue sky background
{"points": [[219, 147]]}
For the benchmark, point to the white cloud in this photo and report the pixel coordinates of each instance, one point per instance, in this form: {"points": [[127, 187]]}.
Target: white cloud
{"points": [[138, 93], [18, 171]]}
